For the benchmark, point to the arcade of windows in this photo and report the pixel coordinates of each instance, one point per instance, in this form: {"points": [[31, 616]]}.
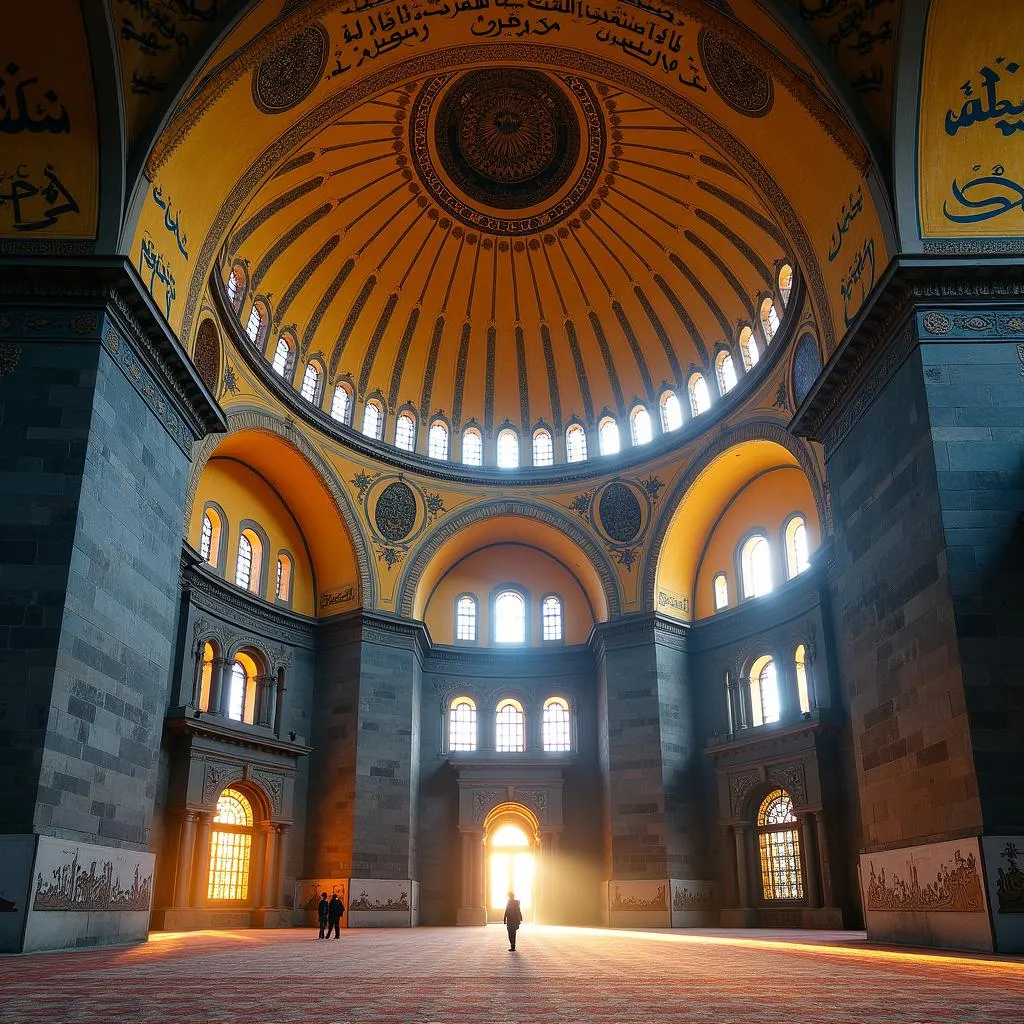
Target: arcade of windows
{"points": [[754, 562], [510, 726], [249, 557], [749, 344], [509, 619], [762, 701]]}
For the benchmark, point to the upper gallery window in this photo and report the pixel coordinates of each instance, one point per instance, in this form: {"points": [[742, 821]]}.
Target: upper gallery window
{"points": [[555, 727], [472, 447], [721, 592], [341, 405], [802, 688], [236, 286], [510, 727], [247, 564], [769, 319], [543, 448], [671, 411], [283, 581], [575, 443], [373, 419], [254, 327], [726, 373], [310, 390], [797, 554], [608, 436], [700, 397], [785, 282], [209, 542], [764, 692], [405, 432], [462, 724], [748, 348], [510, 618], [551, 618], [756, 565], [508, 448], [282, 356], [437, 440], [640, 425], [465, 618]]}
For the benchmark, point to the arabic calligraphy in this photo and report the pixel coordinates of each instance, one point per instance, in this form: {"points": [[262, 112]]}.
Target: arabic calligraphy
{"points": [[859, 280], [151, 259], [847, 216], [21, 110], [988, 107], [170, 220], [35, 202], [987, 196]]}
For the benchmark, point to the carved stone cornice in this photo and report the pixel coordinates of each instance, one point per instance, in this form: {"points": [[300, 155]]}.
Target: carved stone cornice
{"points": [[638, 630], [181, 723], [111, 285], [884, 334], [532, 662]]}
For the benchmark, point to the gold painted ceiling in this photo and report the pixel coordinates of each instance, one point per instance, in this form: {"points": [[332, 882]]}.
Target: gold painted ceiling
{"points": [[508, 244]]}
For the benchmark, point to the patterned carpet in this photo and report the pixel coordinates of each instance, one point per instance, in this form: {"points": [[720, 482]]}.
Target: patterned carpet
{"points": [[468, 975]]}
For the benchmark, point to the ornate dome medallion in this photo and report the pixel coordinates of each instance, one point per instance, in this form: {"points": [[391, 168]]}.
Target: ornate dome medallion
{"points": [[493, 143]]}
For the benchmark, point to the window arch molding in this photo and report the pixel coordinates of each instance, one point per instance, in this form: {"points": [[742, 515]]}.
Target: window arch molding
{"points": [[749, 583], [795, 561], [497, 627], [257, 584], [219, 540]]}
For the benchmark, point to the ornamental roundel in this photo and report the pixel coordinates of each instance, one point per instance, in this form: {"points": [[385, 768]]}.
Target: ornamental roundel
{"points": [[744, 86], [620, 512], [495, 142], [395, 514], [292, 71]]}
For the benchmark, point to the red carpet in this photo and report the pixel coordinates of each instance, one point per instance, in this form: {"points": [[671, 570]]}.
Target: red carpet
{"points": [[468, 976]]}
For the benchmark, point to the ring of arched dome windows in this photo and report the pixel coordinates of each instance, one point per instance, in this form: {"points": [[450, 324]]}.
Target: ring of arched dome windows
{"points": [[311, 389], [542, 445], [252, 564], [257, 323], [507, 448], [373, 417], [794, 540], [407, 428], [284, 578], [510, 615], [213, 534], [343, 401], [755, 564], [236, 287], [439, 438]]}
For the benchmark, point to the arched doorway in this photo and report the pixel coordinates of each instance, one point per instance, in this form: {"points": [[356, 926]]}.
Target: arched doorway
{"points": [[511, 860]]}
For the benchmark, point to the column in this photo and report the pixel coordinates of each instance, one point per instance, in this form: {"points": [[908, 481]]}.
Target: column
{"points": [[186, 847], [201, 859], [730, 703], [823, 860], [807, 837], [742, 871], [268, 896], [219, 693], [789, 695], [278, 703], [264, 699], [731, 896], [197, 676], [479, 870], [282, 860], [745, 707]]}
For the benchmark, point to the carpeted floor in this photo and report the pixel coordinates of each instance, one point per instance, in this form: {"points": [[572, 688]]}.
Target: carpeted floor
{"points": [[468, 976]]}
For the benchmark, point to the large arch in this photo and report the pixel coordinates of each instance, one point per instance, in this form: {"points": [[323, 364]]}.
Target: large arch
{"points": [[325, 498], [504, 520]]}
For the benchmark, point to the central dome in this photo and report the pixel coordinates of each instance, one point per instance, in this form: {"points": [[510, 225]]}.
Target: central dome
{"points": [[507, 141]]}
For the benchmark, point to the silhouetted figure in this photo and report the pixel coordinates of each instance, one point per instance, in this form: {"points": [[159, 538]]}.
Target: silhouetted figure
{"points": [[513, 919], [334, 911], [321, 913]]}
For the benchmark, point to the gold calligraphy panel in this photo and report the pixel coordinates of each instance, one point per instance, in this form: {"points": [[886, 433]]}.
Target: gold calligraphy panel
{"points": [[49, 173], [971, 135]]}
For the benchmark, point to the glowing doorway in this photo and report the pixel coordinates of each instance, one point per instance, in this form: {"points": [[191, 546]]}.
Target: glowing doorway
{"points": [[511, 868]]}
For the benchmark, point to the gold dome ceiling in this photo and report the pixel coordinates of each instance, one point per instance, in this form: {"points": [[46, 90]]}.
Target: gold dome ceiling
{"points": [[508, 244]]}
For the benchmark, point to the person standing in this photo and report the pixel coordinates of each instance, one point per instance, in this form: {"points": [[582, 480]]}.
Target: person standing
{"points": [[334, 911], [321, 913], [513, 919]]}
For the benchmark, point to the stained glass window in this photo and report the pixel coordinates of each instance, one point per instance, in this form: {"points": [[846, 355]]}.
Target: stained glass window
{"points": [[779, 845], [230, 848]]}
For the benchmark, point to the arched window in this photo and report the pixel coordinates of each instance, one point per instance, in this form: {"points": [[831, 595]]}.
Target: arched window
{"points": [[543, 448], [282, 363], [254, 325], [778, 841], [509, 727], [230, 848], [556, 732], [465, 617], [249, 561], [726, 372], [748, 348], [206, 677], [462, 724], [785, 282], [797, 555], [373, 420], [311, 383], [236, 692], [472, 447], [575, 443], [803, 690], [756, 566], [764, 692], [236, 285], [769, 319], [640, 425], [283, 583], [437, 440], [510, 618], [508, 448], [671, 411], [700, 397], [341, 405], [721, 586], [405, 432], [551, 618], [209, 541], [608, 436]]}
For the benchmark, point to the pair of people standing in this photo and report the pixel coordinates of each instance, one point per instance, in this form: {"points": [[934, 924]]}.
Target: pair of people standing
{"points": [[329, 915]]}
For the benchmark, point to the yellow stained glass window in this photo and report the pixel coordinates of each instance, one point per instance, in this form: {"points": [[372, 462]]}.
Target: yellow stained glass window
{"points": [[779, 846], [230, 848]]}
